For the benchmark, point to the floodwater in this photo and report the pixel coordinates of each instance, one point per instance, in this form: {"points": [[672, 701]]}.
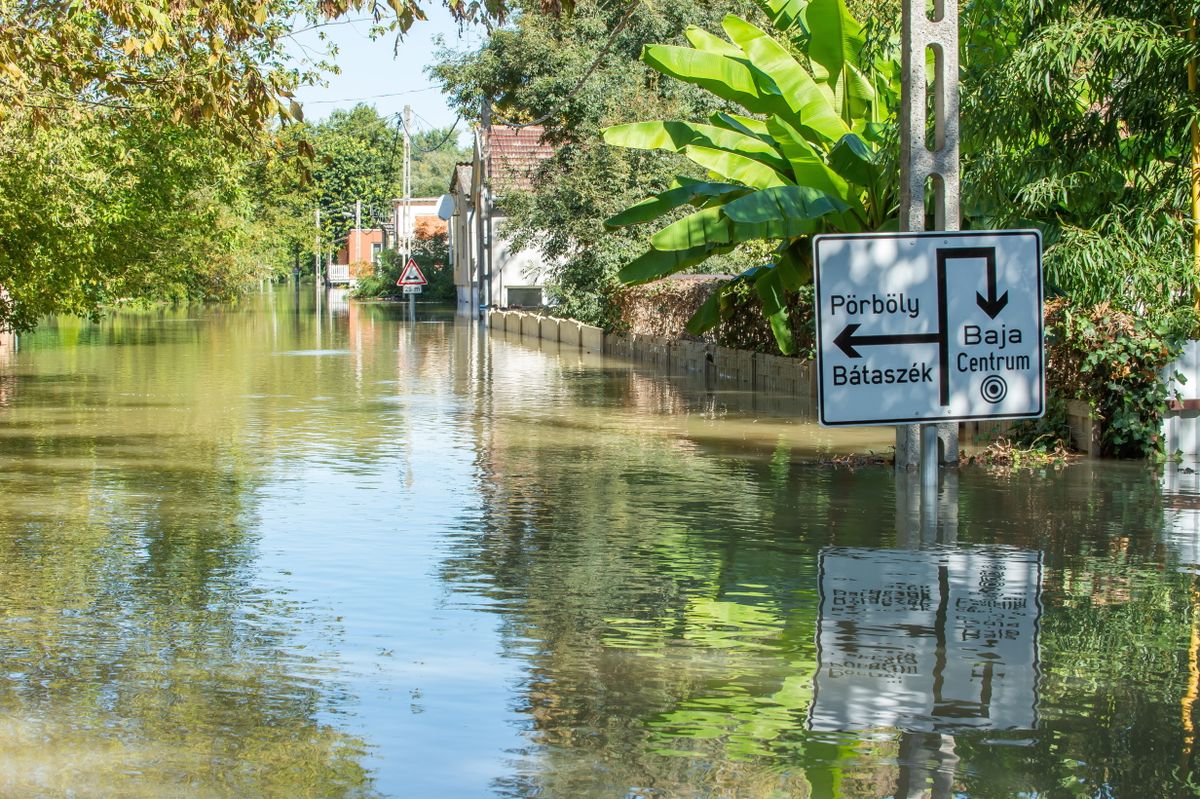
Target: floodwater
{"points": [[311, 549]]}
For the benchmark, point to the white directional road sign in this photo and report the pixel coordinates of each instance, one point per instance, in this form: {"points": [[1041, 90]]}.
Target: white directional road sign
{"points": [[929, 327]]}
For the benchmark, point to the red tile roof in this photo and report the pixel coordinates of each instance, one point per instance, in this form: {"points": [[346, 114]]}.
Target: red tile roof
{"points": [[515, 154]]}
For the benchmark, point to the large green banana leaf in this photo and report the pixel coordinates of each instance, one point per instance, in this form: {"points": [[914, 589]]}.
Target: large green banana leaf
{"points": [[676, 135], [808, 167], [663, 202], [808, 106], [736, 167], [784, 212], [657, 264], [785, 15], [743, 124], [836, 49], [802, 160], [703, 40], [728, 78]]}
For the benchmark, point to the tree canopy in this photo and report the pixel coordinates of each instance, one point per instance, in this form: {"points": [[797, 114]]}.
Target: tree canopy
{"points": [[154, 146]]}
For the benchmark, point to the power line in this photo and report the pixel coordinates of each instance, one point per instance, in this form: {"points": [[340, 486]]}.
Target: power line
{"points": [[372, 96], [440, 144]]}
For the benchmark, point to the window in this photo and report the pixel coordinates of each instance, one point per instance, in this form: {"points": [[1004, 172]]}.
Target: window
{"points": [[376, 248], [525, 297]]}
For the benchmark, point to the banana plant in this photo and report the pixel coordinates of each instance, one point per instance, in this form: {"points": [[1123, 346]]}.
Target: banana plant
{"points": [[806, 157]]}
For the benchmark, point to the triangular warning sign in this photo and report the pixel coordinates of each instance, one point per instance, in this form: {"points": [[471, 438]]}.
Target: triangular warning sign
{"points": [[411, 275]]}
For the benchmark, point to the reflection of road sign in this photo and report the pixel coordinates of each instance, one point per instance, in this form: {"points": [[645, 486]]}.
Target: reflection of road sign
{"points": [[412, 289], [411, 275], [927, 641], [932, 327]]}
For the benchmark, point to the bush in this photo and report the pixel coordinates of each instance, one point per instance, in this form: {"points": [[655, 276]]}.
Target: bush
{"points": [[432, 256], [1113, 360], [662, 309]]}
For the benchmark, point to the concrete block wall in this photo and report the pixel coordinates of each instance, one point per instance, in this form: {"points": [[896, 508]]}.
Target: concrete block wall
{"points": [[591, 339], [736, 368], [548, 328], [570, 332]]}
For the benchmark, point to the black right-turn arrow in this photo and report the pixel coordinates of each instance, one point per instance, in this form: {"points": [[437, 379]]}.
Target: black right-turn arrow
{"points": [[991, 304]]}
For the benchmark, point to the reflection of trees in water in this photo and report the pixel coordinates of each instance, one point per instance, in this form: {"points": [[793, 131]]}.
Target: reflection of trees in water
{"points": [[143, 653], [1115, 634], [139, 646], [663, 593], [666, 600]]}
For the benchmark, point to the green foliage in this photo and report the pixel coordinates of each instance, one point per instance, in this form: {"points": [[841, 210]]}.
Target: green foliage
{"points": [[144, 158], [1113, 360], [533, 69], [1076, 120], [810, 163], [358, 156], [96, 215], [432, 256]]}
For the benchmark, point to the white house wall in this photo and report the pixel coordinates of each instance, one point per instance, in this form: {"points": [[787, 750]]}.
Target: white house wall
{"points": [[524, 268]]}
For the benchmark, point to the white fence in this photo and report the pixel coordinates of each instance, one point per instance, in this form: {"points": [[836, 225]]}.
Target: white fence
{"points": [[339, 273], [1181, 424]]}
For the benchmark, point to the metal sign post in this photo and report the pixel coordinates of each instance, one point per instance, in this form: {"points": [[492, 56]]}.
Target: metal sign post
{"points": [[920, 162], [405, 228], [412, 279]]}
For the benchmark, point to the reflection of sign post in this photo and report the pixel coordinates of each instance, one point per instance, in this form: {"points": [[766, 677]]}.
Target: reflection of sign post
{"points": [[929, 326], [927, 641]]}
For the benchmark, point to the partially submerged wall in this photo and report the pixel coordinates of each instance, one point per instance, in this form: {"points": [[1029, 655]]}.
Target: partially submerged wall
{"points": [[731, 367], [738, 368]]}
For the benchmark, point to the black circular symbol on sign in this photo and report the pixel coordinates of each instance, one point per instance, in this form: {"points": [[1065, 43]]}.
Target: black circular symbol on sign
{"points": [[994, 389]]}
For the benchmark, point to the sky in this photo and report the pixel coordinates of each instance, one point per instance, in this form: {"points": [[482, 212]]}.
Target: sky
{"points": [[379, 73]]}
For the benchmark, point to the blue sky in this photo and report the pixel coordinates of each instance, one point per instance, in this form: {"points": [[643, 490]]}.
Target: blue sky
{"points": [[379, 73]]}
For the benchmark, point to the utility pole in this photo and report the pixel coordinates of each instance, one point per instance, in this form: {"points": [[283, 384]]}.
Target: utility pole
{"points": [[357, 231], [921, 164], [404, 229], [317, 250]]}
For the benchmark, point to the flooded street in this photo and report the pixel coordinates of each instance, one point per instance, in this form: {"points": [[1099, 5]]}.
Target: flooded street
{"points": [[307, 548]]}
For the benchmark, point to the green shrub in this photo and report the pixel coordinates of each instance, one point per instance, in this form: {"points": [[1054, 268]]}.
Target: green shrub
{"points": [[432, 256]]}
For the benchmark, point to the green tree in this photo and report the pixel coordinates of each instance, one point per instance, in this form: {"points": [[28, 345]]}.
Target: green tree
{"points": [[358, 156], [137, 134], [1078, 118], [434, 155], [577, 75]]}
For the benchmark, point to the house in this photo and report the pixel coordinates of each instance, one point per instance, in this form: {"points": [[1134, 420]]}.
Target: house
{"points": [[418, 218], [488, 271], [362, 246]]}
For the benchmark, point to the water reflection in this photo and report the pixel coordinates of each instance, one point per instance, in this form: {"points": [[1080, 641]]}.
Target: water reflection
{"points": [[927, 641], [300, 548], [664, 585]]}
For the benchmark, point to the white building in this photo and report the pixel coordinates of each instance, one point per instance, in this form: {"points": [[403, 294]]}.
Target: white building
{"points": [[487, 270]]}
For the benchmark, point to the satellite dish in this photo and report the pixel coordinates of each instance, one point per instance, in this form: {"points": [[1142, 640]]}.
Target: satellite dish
{"points": [[446, 207]]}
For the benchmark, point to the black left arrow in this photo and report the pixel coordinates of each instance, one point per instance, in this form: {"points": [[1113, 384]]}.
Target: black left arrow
{"points": [[847, 341]]}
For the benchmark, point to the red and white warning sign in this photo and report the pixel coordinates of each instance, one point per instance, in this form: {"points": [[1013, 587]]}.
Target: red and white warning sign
{"points": [[411, 275]]}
